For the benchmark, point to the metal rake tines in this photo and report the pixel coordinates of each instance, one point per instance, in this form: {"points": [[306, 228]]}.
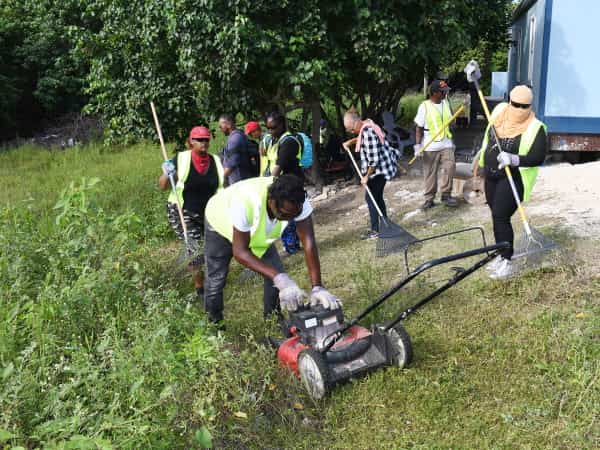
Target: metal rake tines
{"points": [[190, 254], [392, 238], [529, 245]]}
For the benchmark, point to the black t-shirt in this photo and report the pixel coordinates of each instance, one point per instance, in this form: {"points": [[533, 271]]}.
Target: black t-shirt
{"points": [[287, 156], [535, 157], [198, 189]]}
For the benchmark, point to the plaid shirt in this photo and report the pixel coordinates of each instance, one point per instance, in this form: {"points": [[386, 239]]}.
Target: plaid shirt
{"points": [[382, 156]]}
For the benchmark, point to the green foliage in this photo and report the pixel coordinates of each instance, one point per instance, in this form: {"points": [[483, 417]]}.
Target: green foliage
{"points": [[40, 77], [100, 345]]}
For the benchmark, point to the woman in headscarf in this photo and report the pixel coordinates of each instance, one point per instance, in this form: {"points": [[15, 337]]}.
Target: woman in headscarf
{"points": [[198, 175], [523, 148], [378, 162]]}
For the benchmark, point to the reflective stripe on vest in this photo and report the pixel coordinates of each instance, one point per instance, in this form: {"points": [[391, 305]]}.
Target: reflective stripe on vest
{"points": [[435, 121], [528, 174], [273, 149], [184, 160], [252, 193]]}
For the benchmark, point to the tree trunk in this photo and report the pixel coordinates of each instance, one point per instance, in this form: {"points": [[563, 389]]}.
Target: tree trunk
{"points": [[316, 118]]}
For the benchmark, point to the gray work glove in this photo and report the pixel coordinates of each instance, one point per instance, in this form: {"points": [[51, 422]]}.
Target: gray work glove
{"points": [[168, 168], [321, 296], [290, 295], [507, 159]]}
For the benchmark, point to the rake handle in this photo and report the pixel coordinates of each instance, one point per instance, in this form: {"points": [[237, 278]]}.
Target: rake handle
{"points": [[166, 157], [439, 132], [507, 170], [360, 175]]}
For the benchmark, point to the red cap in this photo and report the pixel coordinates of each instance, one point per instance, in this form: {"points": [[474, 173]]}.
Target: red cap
{"points": [[200, 133], [251, 127]]}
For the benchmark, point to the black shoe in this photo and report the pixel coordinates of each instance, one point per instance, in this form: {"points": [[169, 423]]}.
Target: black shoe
{"points": [[428, 204], [450, 201], [216, 320]]}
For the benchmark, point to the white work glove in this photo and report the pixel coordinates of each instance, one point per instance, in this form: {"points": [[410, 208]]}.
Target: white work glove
{"points": [[320, 295], [418, 149], [507, 159], [168, 168], [290, 295]]}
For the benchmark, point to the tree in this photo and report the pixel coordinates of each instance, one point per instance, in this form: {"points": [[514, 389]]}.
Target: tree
{"points": [[40, 78]]}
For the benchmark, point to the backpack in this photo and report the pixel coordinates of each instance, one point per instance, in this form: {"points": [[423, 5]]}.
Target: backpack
{"points": [[306, 159], [307, 151], [253, 158]]}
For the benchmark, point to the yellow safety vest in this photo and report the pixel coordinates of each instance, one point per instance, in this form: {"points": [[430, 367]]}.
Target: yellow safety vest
{"points": [[252, 193], [435, 121], [184, 160], [528, 174], [273, 148]]}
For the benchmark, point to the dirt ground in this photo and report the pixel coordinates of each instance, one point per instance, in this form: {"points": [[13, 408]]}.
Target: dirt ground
{"points": [[566, 198]]}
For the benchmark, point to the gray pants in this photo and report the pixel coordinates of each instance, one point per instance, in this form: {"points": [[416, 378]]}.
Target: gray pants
{"points": [[432, 161], [217, 256]]}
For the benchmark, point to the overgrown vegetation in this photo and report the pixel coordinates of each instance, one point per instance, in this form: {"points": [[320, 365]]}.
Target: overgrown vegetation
{"points": [[102, 347], [114, 57]]}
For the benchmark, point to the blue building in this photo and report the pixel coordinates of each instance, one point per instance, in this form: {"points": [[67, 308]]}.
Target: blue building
{"points": [[554, 49]]}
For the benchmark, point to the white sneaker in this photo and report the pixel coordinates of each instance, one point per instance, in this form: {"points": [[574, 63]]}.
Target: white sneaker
{"points": [[505, 270], [492, 266]]}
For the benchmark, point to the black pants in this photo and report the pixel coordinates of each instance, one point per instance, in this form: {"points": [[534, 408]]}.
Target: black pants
{"points": [[376, 185], [501, 201], [217, 256]]}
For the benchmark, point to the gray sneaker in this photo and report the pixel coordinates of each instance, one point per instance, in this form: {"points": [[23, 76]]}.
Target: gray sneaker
{"points": [[371, 234]]}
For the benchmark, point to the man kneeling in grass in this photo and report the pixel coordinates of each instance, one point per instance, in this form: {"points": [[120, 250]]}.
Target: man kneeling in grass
{"points": [[244, 221]]}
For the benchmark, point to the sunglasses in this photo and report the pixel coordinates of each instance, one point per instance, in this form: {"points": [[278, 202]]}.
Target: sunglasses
{"points": [[520, 105], [201, 139]]}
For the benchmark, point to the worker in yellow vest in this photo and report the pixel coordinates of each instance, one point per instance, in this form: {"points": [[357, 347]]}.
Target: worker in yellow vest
{"points": [[244, 221], [198, 175], [523, 148], [431, 115]]}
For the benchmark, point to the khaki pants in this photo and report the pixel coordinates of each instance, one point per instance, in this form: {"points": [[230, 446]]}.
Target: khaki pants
{"points": [[432, 161]]}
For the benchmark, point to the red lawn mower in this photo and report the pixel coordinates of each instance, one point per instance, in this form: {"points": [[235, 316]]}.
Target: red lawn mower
{"points": [[325, 350]]}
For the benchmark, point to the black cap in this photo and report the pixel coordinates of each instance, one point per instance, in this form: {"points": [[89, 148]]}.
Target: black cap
{"points": [[438, 86]]}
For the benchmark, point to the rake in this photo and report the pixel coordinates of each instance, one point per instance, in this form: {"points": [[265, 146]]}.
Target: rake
{"points": [[191, 252], [438, 134], [532, 241], [392, 237]]}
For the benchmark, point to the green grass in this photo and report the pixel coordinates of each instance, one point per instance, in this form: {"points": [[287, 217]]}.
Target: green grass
{"points": [[100, 344]]}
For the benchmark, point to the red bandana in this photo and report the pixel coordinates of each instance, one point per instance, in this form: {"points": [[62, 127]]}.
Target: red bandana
{"points": [[201, 162]]}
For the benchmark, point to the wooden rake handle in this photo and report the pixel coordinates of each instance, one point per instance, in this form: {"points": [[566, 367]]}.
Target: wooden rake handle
{"points": [[166, 157], [440, 131]]}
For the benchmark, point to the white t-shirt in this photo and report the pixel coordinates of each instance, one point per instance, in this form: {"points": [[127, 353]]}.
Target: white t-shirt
{"points": [[420, 121], [239, 218]]}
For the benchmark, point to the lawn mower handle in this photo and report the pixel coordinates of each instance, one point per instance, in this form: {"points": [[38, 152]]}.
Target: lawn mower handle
{"points": [[491, 250]]}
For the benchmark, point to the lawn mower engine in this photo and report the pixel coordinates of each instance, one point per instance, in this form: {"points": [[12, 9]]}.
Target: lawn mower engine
{"points": [[357, 351]]}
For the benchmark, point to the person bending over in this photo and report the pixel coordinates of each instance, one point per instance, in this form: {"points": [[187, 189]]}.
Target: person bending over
{"points": [[243, 221]]}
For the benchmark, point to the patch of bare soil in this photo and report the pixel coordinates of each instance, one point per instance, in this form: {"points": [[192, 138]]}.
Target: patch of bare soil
{"points": [[565, 196], [571, 195]]}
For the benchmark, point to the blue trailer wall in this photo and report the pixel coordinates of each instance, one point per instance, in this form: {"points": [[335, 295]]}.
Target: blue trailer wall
{"points": [[573, 63], [555, 50]]}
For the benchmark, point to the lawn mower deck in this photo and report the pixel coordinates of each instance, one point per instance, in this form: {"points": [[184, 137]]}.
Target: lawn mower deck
{"points": [[324, 349]]}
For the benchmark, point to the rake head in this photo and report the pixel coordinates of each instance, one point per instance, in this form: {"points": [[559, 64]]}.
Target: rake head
{"points": [[392, 238], [532, 245], [192, 254]]}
